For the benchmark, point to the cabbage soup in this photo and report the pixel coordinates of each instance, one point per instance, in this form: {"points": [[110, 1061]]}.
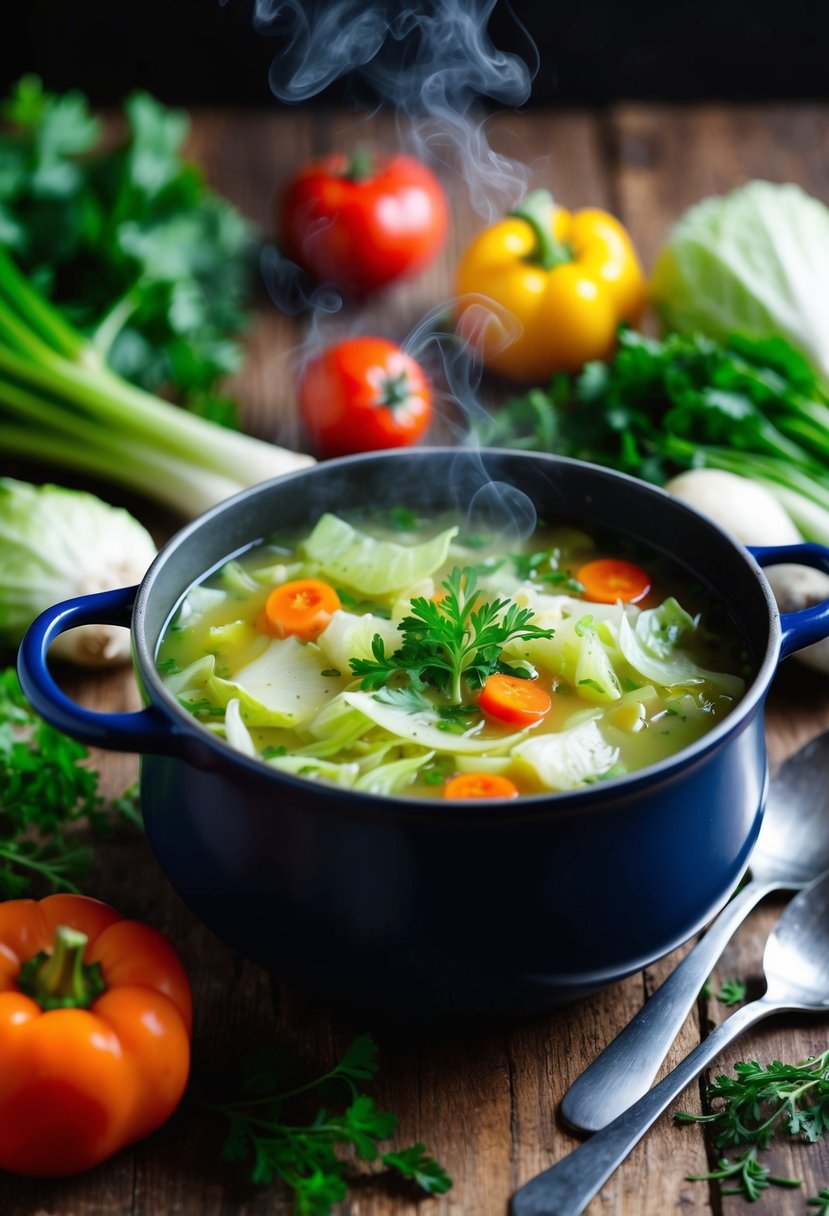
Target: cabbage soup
{"points": [[397, 655]]}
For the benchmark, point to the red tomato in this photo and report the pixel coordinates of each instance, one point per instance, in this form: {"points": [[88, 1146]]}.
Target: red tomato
{"points": [[362, 395], [361, 223]]}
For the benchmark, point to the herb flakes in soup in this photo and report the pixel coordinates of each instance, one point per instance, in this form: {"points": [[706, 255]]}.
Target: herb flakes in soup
{"points": [[414, 660]]}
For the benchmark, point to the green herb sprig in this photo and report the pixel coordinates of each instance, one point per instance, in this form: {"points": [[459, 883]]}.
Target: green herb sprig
{"points": [[756, 1102], [46, 784], [750, 1177], [452, 644], [731, 992], [267, 1131]]}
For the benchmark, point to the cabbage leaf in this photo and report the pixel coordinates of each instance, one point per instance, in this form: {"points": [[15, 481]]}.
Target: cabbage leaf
{"points": [[284, 687], [569, 759], [368, 565]]}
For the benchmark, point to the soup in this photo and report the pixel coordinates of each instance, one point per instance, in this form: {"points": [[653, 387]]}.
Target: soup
{"points": [[390, 654]]}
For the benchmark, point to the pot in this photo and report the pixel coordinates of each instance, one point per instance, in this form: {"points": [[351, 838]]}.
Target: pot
{"points": [[413, 909]]}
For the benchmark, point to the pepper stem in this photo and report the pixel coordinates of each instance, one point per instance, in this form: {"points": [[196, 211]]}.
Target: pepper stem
{"points": [[537, 209], [61, 979], [360, 164]]}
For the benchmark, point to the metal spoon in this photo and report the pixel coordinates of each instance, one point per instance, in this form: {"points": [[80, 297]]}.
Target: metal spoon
{"points": [[796, 965], [791, 850]]}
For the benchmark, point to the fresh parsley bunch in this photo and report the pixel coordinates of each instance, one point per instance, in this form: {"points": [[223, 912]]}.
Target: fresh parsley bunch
{"points": [[127, 239], [273, 1130], [753, 407]]}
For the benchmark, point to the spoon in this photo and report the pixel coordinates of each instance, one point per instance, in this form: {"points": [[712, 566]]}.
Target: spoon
{"points": [[791, 850], [796, 966]]}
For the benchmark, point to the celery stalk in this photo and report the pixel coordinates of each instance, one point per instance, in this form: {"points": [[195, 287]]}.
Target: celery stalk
{"points": [[60, 402]]}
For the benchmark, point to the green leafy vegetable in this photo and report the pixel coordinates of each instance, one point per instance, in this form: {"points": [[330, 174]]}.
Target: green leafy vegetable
{"points": [[454, 642], [128, 239], [755, 262], [749, 1176], [271, 1131], [751, 407], [45, 786]]}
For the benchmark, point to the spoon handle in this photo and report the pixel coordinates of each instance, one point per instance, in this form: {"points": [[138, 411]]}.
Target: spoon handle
{"points": [[627, 1066], [567, 1187]]}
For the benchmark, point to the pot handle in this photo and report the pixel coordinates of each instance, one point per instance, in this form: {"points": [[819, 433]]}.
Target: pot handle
{"points": [[798, 629], [144, 730]]}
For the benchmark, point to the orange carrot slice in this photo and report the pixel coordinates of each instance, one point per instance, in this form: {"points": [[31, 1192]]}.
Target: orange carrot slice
{"points": [[302, 607], [511, 699], [609, 579], [479, 785]]}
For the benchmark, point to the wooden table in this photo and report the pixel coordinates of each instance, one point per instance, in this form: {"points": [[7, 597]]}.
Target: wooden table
{"points": [[484, 1103]]}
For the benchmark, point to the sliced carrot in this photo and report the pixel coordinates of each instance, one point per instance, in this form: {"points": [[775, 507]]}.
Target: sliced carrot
{"points": [[609, 579], [479, 785], [302, 607], [522, 702]]}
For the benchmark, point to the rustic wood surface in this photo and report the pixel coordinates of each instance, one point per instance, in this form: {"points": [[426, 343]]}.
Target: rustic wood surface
{"points": [[484, 1103]]}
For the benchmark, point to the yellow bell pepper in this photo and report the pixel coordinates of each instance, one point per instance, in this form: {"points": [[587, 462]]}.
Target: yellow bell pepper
{"points": [[544, 290]]}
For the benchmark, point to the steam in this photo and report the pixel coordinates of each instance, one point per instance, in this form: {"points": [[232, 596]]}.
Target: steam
{"points": [[430, 60], [433, 64]]}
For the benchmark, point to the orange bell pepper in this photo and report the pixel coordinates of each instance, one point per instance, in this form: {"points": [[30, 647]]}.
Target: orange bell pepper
{"points": [[544, 290], [95, 1023]]}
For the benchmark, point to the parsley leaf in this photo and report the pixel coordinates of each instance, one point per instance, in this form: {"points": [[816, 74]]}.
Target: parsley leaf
{"points": [[277, 1137], [731, 992], [451, 644], [413, 1163]]}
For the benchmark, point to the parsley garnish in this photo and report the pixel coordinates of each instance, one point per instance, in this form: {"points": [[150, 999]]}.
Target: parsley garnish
{"points": [[276, 1135], [452, 644]]}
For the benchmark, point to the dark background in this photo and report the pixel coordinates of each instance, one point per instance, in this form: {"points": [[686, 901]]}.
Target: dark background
{"points": [[199, 51]]}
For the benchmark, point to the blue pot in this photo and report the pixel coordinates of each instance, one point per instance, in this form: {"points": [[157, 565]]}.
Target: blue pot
{"points": [[424, 909]]}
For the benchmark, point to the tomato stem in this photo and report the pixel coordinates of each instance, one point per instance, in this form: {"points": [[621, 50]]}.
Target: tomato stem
{"points": [[360, 164], [395, 390], [537, 209], [61, 979]]}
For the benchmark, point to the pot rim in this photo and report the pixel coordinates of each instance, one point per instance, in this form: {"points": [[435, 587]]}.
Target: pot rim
{"points": [[529, 804]]}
